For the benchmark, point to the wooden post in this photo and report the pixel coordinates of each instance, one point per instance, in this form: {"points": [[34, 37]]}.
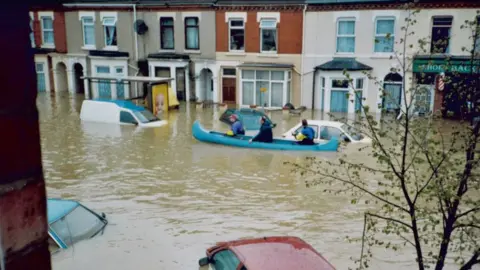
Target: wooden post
{"points": [[23, 222]]}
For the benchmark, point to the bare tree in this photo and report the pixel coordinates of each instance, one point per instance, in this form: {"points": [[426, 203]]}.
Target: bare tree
{"points": [[424, 187]]}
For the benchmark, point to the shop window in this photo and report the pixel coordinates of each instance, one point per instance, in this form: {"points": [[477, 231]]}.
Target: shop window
{"points": [[441, 31]]}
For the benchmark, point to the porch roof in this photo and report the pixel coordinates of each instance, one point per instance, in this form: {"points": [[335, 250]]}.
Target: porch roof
{"points": [[171, 56], [265, 65], [339, 64], [128, 79]]}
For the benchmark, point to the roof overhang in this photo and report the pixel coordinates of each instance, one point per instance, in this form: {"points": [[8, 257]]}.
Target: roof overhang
{"points": [[266, 65]]}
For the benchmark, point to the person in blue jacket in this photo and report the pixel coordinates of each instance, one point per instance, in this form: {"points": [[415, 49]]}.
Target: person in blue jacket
{"points": [[237, 126], [265, 134], [308, 134]]}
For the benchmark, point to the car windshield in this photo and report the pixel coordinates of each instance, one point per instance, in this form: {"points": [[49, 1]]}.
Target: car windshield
{"points": [[353, 132], [249, 118], [77, 225], [145, 116]]}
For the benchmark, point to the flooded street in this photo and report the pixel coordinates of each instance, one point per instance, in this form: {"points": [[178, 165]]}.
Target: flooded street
{"points": [[169, 197]]}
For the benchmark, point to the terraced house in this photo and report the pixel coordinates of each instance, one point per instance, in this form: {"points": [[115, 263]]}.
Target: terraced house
{"points": [[259, 47], [354, 36]]}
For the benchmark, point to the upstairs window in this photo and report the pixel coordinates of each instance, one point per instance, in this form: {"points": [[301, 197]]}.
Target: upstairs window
{"points": [[346, 36], [47, 30], [384, 35], [32, 36], [192, 38], [477, 37], [441, 29], [88, 28], [110, 31], [167, 39], [268, 35], [237, 35]]}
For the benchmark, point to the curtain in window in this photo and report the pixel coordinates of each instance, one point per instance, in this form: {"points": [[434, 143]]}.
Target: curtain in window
{"points": [[391, 99], [358, 100], [192, 33], [167, 38], [338, 101], [261, 97], [88, 31], [41, 85], [104, 86], [48, 37], [345, 43], [247, 93], [277, 95], [382, 42], [111, 35], [269, 40]]}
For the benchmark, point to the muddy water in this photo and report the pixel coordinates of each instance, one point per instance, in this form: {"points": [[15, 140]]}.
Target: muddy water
{"points": [[168, 197]]}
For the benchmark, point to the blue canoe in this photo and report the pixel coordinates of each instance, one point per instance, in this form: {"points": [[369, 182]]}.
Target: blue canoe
{"points": [[204, 135]]}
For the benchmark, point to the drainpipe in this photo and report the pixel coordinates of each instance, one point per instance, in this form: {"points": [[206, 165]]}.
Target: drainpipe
{"points": [[135, 33], [303, 52], [313, 88]]}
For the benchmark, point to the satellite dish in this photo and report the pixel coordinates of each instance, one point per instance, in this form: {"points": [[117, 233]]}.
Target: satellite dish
{"points": [[140, 27]]}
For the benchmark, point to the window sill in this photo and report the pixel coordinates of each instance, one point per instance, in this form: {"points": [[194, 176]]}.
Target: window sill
{"points": [[268, 54], [110, 48], [48, 46], [345, 53], [167, 50], [382, 55], [192, 51], [88, 47]]}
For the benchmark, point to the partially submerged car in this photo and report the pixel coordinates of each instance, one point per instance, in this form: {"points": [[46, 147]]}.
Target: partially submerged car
{"points": [[250, 119], [70, 222], [118, 112], [267, 253], [325, 130]]}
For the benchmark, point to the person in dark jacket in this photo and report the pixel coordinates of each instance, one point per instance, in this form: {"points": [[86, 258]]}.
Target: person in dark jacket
{"points": [[265, 134], [308, 134]]}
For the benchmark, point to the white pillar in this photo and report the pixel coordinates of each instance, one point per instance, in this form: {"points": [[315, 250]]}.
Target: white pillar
{"points": [[187, 85], [327, 96], [86, 87], [198, 87], [215, 88], [70, 81], [55, 80], [173, 75], [351, 100]]}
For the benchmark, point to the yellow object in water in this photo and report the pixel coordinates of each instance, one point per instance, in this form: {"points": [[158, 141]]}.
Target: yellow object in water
{"points": [[172, 98], [300, 137], [230, 133]]}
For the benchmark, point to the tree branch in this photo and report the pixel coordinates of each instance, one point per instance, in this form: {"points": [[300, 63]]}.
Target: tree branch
{"points": [[468, 212], [473, 260], [466, 226], [392, 220]]}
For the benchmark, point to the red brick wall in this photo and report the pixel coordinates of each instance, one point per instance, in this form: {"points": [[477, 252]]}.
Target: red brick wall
{"points": [[290, 31], [60, 32], [37, 30]]}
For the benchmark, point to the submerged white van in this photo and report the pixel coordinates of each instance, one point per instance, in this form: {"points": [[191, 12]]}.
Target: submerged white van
{"points": [[118, 111]]}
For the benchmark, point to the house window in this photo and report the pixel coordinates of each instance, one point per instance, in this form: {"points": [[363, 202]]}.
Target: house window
{"points": [[110, 31], [268, 35], [338, 96], [192, 39], [358, 94], [441, 34], [384, 35], [32, 36], [47, 30], [104, 88], [229, 72], [41, 82], [162, 72], [120, 84], [237, 35], [268, 88], [167, 39], [88, 27], [346, 36]]}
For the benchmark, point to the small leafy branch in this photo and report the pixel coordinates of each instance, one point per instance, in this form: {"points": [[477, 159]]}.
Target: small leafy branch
{"points": [[423, 188]]}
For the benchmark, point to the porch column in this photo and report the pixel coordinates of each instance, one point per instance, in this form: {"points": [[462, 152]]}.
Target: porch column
{"points": [[326, 105], [23, 205], [187, 85], [70, 81], [198, 88], [86, 86], [215, 89]]}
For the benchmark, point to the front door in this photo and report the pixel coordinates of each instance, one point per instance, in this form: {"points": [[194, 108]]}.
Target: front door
{"points": [[338, 101], [180, 79], [228, 90]]}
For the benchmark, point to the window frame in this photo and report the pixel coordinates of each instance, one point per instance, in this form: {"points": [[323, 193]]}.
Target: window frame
{"points": [[392, 35], [229, 75], [330, 136], [32, 33], [104, 26], [447, 50], [286, 81], [269, 28], [337, 35], [197, 26], [230, 28], [82, 19], [163, 27], [42, 26]]}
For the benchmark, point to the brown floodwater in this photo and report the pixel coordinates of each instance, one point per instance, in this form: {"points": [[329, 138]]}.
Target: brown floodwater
{"points": [[169, 197]]}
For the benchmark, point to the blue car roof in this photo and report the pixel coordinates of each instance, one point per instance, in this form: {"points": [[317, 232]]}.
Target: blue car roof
{"points": [[58, 208], [126, 104]]}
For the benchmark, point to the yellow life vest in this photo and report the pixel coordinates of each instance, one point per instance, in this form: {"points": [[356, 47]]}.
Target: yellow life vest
{"points": [[300, 137], [230, 133]]}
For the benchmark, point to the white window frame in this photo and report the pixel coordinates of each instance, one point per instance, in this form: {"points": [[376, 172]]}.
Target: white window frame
{"points": [[337, 35], [82, 19], [230, 27], [44, 15], [392, 35], [32, 33], [286, 80], [229, 76], [268, 28], [108, 15], [449, 48]]}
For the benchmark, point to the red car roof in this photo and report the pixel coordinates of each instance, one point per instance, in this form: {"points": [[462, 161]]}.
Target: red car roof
{"points": [[276, 253]]}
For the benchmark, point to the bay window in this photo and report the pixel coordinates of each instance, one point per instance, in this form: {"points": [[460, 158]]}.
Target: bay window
{"points": [[384, 35], [346, 36], [268, 35], [267, 88]]}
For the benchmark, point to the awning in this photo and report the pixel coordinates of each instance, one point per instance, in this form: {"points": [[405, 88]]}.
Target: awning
{"points": [[265, 65], [339, 64], [128, 79]]}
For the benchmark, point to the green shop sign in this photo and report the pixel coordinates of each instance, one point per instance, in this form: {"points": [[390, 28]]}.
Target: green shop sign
{"points": [[440, 65]]}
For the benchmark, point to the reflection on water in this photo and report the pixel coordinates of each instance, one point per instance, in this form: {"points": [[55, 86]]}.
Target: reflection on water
{"points": [[169, 197]]}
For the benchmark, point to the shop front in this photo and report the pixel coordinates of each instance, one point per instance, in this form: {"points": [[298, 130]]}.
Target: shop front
{"points": [[446, 83]]}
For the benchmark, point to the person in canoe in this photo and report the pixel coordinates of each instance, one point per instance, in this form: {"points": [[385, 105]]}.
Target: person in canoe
{"points": [[237, 126], [306, 135], [265, 134]]}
